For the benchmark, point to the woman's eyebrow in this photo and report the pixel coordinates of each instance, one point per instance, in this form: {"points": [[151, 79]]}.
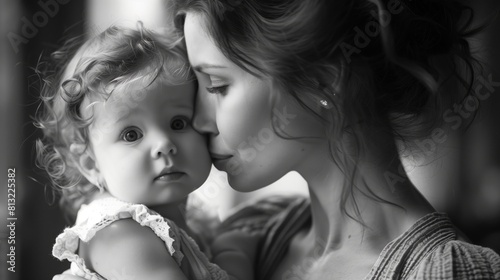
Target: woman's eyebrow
{"points": [[203, 66]]}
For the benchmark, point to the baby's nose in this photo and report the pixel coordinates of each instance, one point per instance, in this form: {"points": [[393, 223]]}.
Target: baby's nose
{"points": [[163, 147]]}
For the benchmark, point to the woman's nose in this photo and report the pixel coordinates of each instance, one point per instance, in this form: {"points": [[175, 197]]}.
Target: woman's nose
{"points": [[204, 114]]}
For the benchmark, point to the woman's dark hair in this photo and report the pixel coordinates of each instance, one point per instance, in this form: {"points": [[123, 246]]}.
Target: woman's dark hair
{"points": [[376, 63]]}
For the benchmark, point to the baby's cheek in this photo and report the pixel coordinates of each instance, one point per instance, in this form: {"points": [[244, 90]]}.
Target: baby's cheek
{"points": [[193, 142], [121, 170], [195, 149]]}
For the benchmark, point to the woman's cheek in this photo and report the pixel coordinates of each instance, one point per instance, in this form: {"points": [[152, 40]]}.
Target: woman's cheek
{"points": [[243, 117]]}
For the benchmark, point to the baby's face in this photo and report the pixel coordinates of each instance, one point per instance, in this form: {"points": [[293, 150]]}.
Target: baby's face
{"points": [[145, 147]]}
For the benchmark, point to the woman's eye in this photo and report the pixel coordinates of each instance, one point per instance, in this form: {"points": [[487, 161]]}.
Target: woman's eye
{"points": [[217, 90], [178, 124], [131, 135]]}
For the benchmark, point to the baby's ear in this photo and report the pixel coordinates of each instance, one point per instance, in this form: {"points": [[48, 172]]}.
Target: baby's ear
{"points": [[85, 161]]}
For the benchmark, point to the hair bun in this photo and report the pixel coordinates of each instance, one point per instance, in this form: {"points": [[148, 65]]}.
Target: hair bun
{"points": [[430, 27], [429, 37]]}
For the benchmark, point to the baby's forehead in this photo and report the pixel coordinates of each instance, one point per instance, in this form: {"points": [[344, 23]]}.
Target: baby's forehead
{"points": [[139, 89], [153, 98], [136, 93]]}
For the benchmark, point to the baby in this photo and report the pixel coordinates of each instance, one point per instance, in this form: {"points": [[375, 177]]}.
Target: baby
{"points": [[119, 143]]}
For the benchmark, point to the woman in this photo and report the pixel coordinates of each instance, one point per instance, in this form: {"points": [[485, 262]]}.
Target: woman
{"points": [[332, 83], [328, 89]]}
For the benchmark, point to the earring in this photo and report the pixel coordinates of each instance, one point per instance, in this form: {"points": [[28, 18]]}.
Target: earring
{"points": [[323, 103], [100, 186]]}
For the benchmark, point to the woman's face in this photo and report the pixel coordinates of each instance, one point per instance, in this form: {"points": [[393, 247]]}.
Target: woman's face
{"points": [[236, 110]]}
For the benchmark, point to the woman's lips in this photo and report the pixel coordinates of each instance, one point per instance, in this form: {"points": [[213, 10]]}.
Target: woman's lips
{"points": [[219, 160], [216, 156]]}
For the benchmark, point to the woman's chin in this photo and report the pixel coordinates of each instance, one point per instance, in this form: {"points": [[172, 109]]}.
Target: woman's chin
{"points": [[245, 183], [239, 184]]}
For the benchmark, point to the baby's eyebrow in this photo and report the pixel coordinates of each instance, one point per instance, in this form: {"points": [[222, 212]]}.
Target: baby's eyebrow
{"points": [[117, 119], [123, 114], [180, 106]]}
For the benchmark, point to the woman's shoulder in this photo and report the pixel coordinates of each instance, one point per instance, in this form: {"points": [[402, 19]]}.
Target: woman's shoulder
{"points": [[273, 221], [431, 249], [258, 216], [457, 259]]}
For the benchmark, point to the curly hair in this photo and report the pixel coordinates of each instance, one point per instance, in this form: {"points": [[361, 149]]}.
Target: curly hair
{"points": [[374, 63], [78, 73]]}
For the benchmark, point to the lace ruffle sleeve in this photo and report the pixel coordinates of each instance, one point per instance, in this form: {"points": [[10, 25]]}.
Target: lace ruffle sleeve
{"points": [[101, 213]]}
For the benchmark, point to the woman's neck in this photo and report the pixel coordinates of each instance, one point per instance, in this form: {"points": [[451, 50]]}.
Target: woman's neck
{"points": [[378, 172]]}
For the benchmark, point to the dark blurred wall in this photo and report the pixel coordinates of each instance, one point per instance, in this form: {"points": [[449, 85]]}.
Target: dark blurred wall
{"points": [[42, 222], [10, 81], [34, 29], [478, 211]]}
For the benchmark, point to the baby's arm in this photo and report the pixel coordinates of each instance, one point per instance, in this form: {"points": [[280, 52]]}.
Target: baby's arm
{"points": [[234, 252], [127, 250]]}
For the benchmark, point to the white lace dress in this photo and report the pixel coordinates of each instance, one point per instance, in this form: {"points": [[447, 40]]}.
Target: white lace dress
{"points": [[102, 212]]}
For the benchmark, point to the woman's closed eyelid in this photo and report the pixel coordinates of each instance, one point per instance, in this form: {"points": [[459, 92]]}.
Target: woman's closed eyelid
{"points": [[217, 85], [217, 82], [217, 90]]}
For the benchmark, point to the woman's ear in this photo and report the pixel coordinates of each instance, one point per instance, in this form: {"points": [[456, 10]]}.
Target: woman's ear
{"points": [[86, 163]]}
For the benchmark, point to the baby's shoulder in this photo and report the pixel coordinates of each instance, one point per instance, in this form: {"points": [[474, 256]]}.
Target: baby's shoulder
{"points": [[459, 260], [122, 231], [126, 247], [112, 222], [123, 237]]}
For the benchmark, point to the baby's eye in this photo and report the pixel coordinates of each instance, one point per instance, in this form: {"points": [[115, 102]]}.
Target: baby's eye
{"points": [[131, 134], [178, 123]]}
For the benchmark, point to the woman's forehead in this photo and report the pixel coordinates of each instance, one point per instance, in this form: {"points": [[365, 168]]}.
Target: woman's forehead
{"points": [[200, 45]]}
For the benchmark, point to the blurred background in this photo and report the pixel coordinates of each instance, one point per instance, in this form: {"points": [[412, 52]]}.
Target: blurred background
{"points": [[460, 176]]}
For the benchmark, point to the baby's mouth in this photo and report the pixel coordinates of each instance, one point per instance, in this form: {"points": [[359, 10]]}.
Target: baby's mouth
{"points": [[172, 176], [169, 174]]}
